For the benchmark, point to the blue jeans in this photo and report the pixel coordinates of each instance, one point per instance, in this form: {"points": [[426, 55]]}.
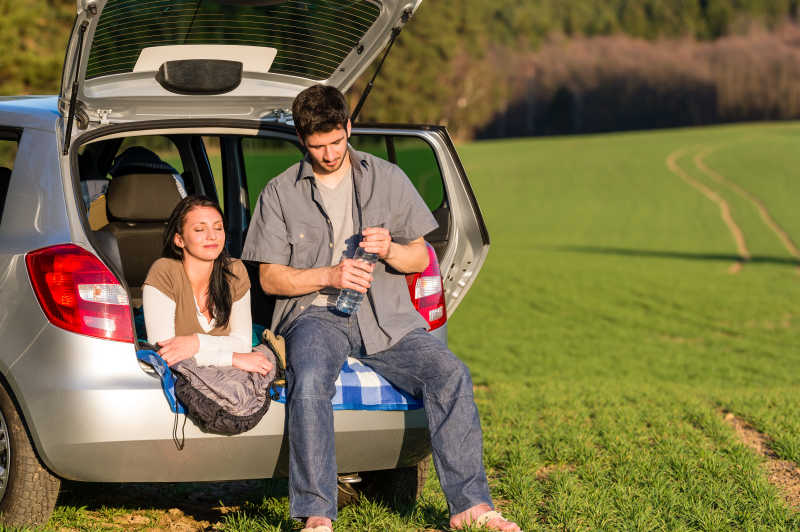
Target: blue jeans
{"points": [[318, 342]]}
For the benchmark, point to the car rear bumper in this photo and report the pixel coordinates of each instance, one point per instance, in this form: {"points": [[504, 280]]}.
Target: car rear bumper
{"points": [[96, 415]]}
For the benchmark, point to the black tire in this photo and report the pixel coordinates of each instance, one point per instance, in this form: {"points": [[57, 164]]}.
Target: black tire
{"points": [[28, 491], [397, 488]]}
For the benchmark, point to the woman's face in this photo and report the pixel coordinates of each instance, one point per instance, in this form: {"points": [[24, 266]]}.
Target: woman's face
{"points": [[202, 235]]}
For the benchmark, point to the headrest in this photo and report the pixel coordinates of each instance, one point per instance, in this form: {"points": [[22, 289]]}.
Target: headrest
{"points": [[142, 197], [139, 160]]}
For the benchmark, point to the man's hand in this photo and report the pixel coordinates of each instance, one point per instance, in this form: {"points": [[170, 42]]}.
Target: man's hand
{"points": [[179, 348], [377, 240], [350, 273], [253, 362]]}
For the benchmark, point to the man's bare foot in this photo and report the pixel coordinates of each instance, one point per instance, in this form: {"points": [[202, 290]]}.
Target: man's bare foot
{"points": [[314, 522], [473, 515]]}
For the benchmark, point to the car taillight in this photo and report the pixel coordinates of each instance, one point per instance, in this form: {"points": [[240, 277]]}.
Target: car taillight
{"points": [[427, 293], [78, 293]]}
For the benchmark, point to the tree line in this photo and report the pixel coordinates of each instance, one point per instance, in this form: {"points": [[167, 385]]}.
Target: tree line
{"points": [[492, 68]]}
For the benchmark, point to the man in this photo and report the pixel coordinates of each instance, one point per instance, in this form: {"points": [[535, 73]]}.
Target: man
{"points": [[305, 227]]}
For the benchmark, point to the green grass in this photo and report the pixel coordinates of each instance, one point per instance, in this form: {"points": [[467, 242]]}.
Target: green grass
{"points": [[608, 333], [605, 336]]}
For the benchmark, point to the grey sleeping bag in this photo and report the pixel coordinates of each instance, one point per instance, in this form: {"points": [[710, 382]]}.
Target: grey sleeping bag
{"points": [[224, 399]]}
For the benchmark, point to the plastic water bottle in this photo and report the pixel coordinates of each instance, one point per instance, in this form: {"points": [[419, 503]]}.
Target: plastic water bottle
{"points": [[349, 299]]}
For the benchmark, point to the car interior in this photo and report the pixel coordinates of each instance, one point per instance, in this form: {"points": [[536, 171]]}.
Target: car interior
{"points": [[128, 201]]}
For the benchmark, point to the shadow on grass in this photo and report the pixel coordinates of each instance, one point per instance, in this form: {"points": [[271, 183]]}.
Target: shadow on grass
{"points": [[234, 505], [202, 501], [724, 257]]}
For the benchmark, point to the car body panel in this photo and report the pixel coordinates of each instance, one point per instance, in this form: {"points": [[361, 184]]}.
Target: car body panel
{"points": [[95, 415], [36, 217], [30, 112]]}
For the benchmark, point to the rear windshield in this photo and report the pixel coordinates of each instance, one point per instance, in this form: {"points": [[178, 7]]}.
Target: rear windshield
{"points": [[311, 37]]}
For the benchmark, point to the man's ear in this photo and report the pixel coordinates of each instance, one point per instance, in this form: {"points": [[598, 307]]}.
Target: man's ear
{"points": [[300, 138], [348, 128]]}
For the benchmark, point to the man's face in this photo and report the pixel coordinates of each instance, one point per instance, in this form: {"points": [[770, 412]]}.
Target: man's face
{"points": [[328, 150]]}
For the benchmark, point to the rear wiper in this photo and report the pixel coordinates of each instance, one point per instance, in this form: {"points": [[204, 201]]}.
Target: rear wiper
{"points": [[73, 99], [368, 88]]}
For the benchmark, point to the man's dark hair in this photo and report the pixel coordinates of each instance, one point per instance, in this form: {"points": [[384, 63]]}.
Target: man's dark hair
{"points": [[319, 109]]}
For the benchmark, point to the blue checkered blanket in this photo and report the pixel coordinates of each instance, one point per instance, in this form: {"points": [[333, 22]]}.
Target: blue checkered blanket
{"points": [[360, 388], [357, 388]]}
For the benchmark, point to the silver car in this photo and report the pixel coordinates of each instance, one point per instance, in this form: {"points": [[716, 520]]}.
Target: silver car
{"points": [[201, 90]]}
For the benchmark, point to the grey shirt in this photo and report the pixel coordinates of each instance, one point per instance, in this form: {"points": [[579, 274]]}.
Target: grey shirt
{"points": [[338, 203], [291, 227]]}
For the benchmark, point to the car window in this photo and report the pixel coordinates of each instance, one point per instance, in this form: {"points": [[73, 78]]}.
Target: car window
{"points": [[310, 39], [265, 158], [162, 146], [414, 155], [9, 140], [8, 149]]}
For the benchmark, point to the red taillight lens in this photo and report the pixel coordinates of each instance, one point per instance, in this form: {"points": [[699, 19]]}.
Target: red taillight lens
{"points": [[427, 292], [78, 293]]}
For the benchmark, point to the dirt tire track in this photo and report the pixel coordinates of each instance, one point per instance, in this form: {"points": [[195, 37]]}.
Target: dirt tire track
{"points": [[766, 217], [783, 474], [724, 208]]}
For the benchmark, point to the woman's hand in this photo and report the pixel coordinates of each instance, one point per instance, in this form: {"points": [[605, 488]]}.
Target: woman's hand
{"points": [[179, 348], [254, 362]]}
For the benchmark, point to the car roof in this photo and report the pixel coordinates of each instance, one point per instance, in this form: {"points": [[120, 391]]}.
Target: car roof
{"points": [[39, 112]]}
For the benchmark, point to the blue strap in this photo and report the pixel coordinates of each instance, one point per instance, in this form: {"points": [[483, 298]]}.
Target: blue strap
{"points": [[152, 359]]}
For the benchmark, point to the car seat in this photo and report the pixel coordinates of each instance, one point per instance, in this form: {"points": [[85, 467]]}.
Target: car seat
{"points": [[138, 206]]}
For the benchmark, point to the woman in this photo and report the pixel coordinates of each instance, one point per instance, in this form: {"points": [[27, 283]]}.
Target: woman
{"points": [[196, 297]]}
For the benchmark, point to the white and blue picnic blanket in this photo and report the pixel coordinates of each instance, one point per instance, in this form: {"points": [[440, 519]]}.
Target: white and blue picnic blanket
{"points": [[360, 388], [357, 388]]}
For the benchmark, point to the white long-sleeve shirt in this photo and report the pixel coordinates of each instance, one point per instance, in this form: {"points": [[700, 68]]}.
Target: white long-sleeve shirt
{"points": [[159, 318]]}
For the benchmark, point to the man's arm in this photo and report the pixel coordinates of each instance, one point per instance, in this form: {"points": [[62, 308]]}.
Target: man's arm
{"points": [[405, 258], [280, 280]]}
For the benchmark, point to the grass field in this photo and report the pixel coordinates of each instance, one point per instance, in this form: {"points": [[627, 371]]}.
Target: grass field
{"points": [[613, 325]]}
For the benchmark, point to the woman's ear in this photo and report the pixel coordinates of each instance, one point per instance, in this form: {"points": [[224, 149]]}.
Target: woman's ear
{"points": [[178, 239]]}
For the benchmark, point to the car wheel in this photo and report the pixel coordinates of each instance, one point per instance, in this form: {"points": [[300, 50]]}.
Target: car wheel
{"points": [[397, 488], [28, 491]]}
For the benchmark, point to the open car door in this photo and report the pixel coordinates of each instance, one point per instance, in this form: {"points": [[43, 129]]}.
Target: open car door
{"points": [[428, 157], [135, 60]]}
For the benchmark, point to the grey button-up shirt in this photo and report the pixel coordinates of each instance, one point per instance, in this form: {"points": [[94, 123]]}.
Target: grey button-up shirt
{"points": [[290, 227]]}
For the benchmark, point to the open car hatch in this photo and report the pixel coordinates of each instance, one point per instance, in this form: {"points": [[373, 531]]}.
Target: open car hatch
{"points": [[131, 60]]}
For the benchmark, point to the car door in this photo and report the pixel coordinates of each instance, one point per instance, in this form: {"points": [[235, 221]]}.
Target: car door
{"points": [[428, 157], [147, 60]]}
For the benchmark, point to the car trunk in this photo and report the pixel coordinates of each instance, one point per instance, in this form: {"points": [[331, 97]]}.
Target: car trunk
{"points": [[231, 165]]}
